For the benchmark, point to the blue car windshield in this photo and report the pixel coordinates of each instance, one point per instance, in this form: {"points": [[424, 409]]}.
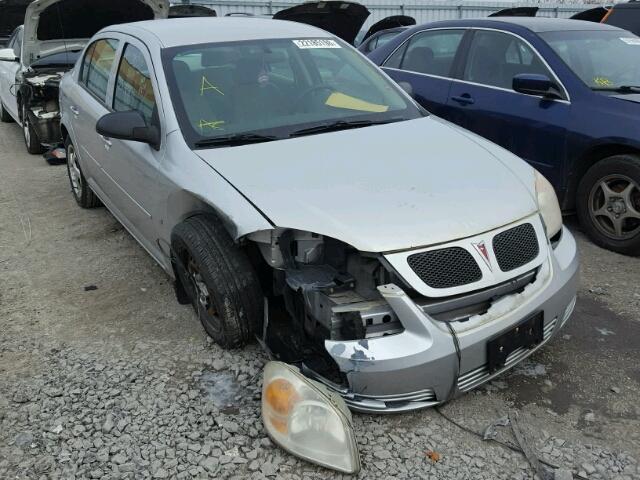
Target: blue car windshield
{"points": [[603, 59], [278, 88]]}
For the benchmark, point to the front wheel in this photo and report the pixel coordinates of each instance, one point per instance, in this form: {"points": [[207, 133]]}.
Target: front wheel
{"points": [[4, 115], [218, 279], [609, 203], [30, 135]]}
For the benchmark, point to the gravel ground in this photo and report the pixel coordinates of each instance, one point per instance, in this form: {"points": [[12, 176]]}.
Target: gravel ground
{"points": [[104, 375]]}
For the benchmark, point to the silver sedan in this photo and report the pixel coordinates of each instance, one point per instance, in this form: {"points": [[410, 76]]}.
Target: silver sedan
{"points": [[295, 194]]}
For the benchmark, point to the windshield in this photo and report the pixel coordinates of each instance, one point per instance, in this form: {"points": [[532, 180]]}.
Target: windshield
{"points": [[604, 60], [278, 88]]}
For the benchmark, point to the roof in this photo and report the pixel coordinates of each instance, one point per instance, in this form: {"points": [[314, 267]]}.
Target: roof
{"points": [[534, 24], [175, 32]]}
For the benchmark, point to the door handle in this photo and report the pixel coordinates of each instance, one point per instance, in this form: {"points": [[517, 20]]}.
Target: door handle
{"points": [[74, 110], [464, 99], [107, 142]]}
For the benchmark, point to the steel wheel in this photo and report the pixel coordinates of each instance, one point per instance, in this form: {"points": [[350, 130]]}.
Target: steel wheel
{"points": [[74, 172], [198, 291], [614, 206]]}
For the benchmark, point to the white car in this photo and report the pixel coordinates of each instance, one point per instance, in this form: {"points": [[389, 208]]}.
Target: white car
{"points": [[296, 194], [39, 52]]}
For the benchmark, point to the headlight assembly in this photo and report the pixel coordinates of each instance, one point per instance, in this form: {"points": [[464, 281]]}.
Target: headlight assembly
{"points": [[307, 420], [548, 205]]}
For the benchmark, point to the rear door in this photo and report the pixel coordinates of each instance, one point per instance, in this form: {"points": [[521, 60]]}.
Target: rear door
{"points": [[87, 101], [426, 61], [483, 101], [133, 166]]}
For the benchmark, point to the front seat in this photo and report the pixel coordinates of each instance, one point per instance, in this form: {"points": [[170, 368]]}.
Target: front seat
{"points": [[255, 98]]}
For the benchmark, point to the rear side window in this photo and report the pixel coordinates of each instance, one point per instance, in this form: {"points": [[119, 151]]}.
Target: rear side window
{"points": [[134, 89], [96, 66], [495, 58], [431, 52]]}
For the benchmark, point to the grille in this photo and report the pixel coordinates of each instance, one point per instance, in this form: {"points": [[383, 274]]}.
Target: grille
{"points": [[516, 247], [445, 268]]}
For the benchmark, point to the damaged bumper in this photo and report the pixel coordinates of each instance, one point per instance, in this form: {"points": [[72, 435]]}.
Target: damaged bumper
{"points": [[420, 367]]}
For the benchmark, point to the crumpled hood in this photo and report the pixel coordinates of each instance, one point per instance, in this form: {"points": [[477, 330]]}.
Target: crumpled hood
{"points": [[52, 26], [382, 188]]}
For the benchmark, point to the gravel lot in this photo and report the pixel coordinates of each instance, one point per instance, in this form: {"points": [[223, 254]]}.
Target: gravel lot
{"points": [[104, 375]]}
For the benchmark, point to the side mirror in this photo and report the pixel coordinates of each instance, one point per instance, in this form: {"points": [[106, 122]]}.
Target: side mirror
{"points": [[8, 55], [536, 84], [128, 126], [406, 86]]}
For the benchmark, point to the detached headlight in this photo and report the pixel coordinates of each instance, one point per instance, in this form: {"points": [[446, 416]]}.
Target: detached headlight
{"points": [[548, 205], [307, 420]]}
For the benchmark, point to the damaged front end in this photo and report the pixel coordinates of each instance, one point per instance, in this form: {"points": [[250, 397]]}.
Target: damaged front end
{"points": [[365, 326], [39, 97]]}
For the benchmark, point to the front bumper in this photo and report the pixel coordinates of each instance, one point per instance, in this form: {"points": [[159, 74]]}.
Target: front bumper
{"points": [[419, 367]]}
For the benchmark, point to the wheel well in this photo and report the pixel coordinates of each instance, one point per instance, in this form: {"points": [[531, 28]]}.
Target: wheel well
{"points": [[64, 132], [588, 160]]}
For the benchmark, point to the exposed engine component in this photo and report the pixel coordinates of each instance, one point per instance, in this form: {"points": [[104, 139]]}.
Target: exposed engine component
{"points": [[329, 288], [39, 93]]}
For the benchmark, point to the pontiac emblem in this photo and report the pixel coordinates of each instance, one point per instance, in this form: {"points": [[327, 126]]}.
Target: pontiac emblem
{"points": [[481, 248]]}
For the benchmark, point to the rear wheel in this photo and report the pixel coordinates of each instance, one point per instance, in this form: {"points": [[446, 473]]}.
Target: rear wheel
{"points": [[4, 115], [218, 279], [81, 191], [609, 203], [30, 135]]}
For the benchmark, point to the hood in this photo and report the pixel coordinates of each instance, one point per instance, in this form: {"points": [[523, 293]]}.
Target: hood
{"points": [[516, 12], [630, 97], [12, 16], [52, 26], [187, 11], [343, 19], [382, 188], [390, 22], [591, 15]]}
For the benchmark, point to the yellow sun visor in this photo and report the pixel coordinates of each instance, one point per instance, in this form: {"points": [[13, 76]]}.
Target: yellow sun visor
{"points": [[341, 100]]}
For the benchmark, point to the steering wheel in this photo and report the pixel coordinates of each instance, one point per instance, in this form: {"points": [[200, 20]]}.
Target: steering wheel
{"points": [[309, 91]]}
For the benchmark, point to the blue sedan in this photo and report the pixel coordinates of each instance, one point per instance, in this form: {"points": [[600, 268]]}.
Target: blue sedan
{"points": [[561, 94]]}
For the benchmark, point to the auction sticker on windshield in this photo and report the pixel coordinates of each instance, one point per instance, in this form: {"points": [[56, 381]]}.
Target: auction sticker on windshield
{"points": [[630, 40], [317, 43]]}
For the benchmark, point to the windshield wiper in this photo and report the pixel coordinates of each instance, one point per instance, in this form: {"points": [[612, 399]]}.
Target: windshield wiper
{"points": [[620, 89], [235, 139], [340, 125]]}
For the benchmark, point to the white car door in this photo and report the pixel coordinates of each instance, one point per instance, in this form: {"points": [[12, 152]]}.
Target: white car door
{"points": [[8, 72]]}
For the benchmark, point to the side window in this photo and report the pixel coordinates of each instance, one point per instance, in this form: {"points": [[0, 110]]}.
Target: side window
{"points": [[134, 89], [431, 52], [495, 58], [384, 38], [96, 66]]}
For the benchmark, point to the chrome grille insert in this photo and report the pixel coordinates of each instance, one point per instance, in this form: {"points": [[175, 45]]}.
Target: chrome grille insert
{"points": [[445, 268], [516, 247]]}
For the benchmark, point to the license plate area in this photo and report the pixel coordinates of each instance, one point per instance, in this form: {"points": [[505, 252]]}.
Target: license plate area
{"points": [[526, 334]]}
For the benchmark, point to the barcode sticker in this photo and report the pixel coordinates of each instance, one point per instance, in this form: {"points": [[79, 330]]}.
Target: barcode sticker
{"points": [[316, 43]]}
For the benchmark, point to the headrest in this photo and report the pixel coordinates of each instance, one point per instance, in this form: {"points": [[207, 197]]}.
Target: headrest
{"points": [[215, 57], [248, 70]]}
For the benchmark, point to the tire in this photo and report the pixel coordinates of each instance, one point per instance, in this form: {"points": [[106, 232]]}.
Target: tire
{"points": [[219, 280], [4, 115], [80, 190], [30, 135], [608, 203]]}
